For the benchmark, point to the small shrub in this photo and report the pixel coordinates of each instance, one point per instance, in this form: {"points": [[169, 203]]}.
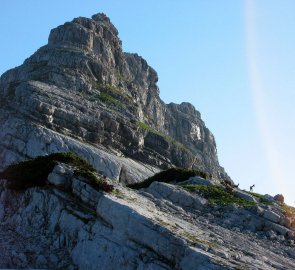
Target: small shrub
{"points": [[170, 175], [28, 173], [105, 186], [34, 172]]}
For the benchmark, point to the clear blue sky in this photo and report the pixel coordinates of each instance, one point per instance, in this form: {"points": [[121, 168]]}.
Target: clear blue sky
{"points": [[232, 59]]}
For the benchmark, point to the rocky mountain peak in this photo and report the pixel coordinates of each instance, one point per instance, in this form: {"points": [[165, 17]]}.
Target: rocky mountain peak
{"points": [[83, 87], [90, 35], [104, 20], [81, 98]]}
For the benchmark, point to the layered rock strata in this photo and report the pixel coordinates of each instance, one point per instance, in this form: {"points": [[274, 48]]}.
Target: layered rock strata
{"points": [[82, 93], [70, 225]]}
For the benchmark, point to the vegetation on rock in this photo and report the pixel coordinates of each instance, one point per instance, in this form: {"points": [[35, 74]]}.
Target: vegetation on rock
{"points": [[218, 195], [290, 211], [110, 100], [116, 93], [170, 175], [34, 172]]}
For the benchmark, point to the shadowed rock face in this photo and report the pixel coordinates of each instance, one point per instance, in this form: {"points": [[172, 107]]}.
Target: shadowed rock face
{"points": [[81, 92]]}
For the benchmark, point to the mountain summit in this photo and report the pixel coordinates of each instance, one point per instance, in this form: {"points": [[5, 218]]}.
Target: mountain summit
{"points": [[82, 93], [90, 177]]}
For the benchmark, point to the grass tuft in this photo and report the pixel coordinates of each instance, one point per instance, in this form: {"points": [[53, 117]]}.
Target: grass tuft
{"points": [[217, 195]]}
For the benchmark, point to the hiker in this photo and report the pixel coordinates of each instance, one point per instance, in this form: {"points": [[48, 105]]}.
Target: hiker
{"points": [[251, 187]]}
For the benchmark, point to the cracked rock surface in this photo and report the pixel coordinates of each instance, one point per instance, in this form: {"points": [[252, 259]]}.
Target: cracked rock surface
{"points": [[82, 93], [161, 227]]}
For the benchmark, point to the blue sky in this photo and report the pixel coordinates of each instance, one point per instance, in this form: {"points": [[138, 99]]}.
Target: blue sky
{"points": [[233, 60]]}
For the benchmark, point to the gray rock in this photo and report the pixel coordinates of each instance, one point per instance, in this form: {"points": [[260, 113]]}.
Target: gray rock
{"points": [[41, 261], [196, 180], [244, 195], [176, 195], [271, 216], [85, 192], [256, 224], [57, 180], [268, 197], [81, 93], [100, 96], [278, 228], [291, 252], [60, 176]]}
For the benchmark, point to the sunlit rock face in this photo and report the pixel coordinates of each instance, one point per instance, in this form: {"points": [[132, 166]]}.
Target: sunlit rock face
{"points": [[69, 224], [82, 93]]}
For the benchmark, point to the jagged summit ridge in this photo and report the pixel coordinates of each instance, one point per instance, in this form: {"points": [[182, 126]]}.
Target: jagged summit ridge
{"points": [[82, 86]]}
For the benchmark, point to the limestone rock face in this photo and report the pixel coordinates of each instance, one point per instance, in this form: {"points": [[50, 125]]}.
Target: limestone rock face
{"points": [[72, 225], [82, 93]]}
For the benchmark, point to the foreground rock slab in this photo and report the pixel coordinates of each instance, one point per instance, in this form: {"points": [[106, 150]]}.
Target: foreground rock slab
{"points": [[155, 228]]}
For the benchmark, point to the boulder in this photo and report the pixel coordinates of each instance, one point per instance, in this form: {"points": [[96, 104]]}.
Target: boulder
{"points": [[279, 229], [60, 176], [279, 198], [176, 195], [272, 216]]}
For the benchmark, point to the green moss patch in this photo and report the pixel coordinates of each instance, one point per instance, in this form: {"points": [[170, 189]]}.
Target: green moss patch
{"points": [[34, 172], [170, 175], [261, 198], [256, 195], [113, 91], [110, 100], [217, 195]]}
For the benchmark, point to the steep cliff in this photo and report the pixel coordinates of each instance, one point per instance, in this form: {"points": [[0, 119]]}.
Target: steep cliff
{"points": [[82, 93]]}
